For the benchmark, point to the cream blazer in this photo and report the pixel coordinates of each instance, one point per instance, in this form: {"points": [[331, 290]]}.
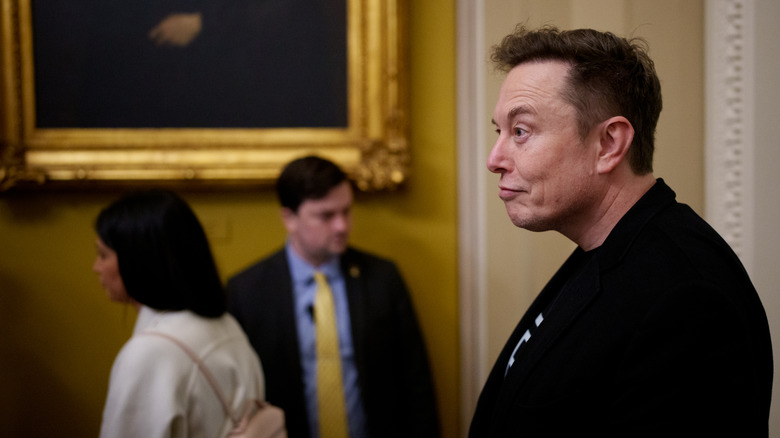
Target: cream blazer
{"points": [[156, 390]]}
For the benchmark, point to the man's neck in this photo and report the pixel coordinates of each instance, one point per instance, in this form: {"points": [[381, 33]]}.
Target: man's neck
{"points": [[618, 199], [309, 259]]}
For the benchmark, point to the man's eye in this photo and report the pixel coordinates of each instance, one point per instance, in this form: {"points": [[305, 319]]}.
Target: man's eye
{"points": [[519, 131]]}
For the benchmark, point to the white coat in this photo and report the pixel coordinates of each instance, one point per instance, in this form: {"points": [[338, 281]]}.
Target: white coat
{"points": [[156, 390]]}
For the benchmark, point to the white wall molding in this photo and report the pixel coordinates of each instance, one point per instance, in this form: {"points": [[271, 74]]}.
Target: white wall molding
{"points": [[471, 200], [729, 131]]}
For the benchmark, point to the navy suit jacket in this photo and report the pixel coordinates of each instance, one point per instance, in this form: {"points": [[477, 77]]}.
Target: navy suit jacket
{"points": [[661, 334], [393, 370]]}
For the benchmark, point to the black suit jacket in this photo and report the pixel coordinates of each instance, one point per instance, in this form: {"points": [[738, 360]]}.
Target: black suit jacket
{"points": [[661, 334], [392, 365]]}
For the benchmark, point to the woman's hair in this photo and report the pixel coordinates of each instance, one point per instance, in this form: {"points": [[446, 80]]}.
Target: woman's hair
{"points": [[163, 253], [609, 76]]}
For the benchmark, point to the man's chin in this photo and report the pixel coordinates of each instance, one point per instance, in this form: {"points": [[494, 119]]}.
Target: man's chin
{"points": [[338, 248], [528, 222]]}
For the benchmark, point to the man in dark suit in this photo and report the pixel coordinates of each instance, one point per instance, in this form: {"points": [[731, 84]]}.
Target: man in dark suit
{"points": [[652, 326], [386, 377]]}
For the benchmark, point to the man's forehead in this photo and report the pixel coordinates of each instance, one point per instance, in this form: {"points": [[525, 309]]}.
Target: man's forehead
{"points": [[543, 76], [338, 198], [531, 84]]}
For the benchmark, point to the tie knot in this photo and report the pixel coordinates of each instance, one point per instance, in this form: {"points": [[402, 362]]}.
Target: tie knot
{"points": [[320, 277]]}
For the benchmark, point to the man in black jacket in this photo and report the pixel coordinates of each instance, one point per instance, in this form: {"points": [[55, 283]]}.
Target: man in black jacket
{"points": [[386, 376], [652, 326]]}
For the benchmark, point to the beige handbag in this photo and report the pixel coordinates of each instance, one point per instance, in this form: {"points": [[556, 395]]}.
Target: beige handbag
{"points": [[260, 419]]}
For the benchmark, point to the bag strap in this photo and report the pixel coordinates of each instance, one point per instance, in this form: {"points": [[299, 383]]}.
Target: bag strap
{"points": [[203, 369]]}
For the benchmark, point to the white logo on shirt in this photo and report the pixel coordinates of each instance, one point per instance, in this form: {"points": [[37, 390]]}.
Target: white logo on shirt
{"points": [[523, 339]]}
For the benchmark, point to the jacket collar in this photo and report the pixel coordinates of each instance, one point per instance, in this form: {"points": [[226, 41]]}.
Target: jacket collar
{"points": [[622, 237]]}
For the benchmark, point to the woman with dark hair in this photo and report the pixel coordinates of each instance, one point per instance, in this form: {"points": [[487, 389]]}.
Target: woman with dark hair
{"points": [[152, 253]]}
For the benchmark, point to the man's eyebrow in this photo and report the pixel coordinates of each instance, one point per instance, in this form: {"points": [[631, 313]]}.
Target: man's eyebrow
{"points": [[519, 109]]}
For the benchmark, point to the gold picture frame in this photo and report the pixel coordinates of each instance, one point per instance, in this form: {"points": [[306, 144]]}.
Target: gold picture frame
{"points": [[372, 147]]}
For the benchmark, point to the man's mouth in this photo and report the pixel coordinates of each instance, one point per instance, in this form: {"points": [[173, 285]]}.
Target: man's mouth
{"points": [[507, 193]]}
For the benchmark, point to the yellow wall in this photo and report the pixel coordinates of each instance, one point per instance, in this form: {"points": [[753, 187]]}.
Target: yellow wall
{"points": [[59, 334]]}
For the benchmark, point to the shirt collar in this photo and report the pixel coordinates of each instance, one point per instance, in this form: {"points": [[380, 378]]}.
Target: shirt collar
{"points": [[302, 272]]}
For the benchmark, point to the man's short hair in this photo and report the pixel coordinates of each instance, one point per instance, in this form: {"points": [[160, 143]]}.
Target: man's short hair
{"points": [[609, 76], [305, 178]]}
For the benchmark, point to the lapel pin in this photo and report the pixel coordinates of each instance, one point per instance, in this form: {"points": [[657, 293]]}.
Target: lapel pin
{"points": [[354, 271]]}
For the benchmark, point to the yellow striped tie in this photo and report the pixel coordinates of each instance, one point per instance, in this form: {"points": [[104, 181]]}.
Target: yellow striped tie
{"points": [[330, 390]]}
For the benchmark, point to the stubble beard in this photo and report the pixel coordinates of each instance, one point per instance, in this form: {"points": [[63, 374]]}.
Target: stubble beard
{"points": [[559, 220]]}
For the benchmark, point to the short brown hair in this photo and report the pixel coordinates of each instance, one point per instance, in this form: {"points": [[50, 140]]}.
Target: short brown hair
{"points": [[609, 76], [307, 178]]}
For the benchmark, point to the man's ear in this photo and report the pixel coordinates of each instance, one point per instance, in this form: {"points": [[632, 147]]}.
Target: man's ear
{"points": [[288, 218], [615, 137]]}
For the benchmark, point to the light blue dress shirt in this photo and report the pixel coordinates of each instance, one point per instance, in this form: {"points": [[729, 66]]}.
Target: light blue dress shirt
{"points": [[304, 289]]}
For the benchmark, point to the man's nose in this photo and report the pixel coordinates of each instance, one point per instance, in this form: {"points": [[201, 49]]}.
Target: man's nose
{"points": [[496, 160], [341, 222]]}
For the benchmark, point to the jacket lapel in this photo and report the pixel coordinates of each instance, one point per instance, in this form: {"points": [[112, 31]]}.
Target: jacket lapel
{"points": [[569, 303], [279, 288], [354, 284]]}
